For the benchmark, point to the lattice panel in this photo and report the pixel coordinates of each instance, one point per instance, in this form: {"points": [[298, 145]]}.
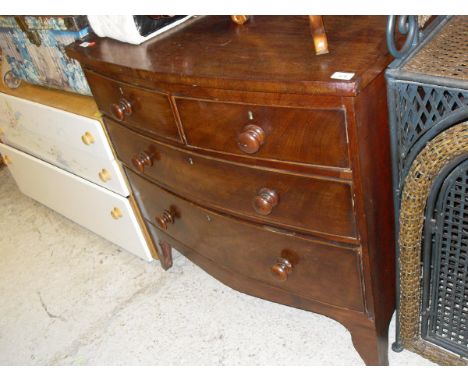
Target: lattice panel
{"points": [[448, 318], [418, 108]]}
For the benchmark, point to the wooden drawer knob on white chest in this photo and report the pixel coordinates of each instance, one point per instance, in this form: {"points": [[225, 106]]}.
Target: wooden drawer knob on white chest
{"points": [[104, 175], [87, 138], [116, 213], [7, 160]]}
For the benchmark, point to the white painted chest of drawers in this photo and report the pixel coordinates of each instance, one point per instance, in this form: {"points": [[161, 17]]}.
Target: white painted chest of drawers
{"points": [[64, 160]]}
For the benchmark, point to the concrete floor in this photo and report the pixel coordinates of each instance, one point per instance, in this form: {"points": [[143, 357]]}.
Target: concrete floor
{"points": [[69, 297]]}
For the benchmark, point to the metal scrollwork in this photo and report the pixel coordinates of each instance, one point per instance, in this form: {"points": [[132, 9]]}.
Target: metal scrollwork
{"points": [[407, 25]]}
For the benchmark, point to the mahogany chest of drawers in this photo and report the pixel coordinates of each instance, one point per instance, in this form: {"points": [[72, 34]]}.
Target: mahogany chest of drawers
{"points": [[246, 156]]}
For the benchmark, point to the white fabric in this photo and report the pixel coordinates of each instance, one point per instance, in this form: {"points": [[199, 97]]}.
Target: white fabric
{"points": [[123, 28]]}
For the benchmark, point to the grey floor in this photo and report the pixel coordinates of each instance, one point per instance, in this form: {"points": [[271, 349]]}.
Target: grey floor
{"points": [[69, 297]]}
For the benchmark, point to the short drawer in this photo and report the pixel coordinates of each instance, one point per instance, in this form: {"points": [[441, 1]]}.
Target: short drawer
{"points": [[307, 268], [20, 117], [288, 134], [95, 208], [145, 110], [315, 205]]}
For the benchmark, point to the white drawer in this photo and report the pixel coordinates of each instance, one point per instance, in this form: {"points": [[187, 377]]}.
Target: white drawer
{"points": [[79, 200], [102, 171], [36, 139], [19, 117]]}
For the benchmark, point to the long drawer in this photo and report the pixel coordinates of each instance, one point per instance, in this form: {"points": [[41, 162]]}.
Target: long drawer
{"points": [[69, 141], [101, 211], [307, 268], [293, 201], [19, 117]]}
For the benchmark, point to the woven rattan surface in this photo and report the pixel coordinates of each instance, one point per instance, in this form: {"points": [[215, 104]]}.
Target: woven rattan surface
{"points": [[438, 152], [423, 19], [446, 55]]}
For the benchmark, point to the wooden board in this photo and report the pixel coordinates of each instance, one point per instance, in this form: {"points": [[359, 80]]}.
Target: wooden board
{"points": [[66, 101]]}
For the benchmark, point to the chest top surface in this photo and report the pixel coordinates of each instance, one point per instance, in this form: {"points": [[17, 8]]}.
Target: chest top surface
{"points": [[268, 53]]}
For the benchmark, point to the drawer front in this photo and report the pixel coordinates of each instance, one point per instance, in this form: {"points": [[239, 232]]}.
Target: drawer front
{"points": [[318, 271], [288, 134], [93, 207], [104, 172], [142, 109], [293, 201], [19, 118]]}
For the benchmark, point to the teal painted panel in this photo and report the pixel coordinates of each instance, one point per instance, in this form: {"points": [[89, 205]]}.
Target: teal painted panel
{"points": [[47, 64]]}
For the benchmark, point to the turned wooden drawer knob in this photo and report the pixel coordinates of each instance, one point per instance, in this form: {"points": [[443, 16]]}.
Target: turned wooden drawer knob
{"points": [[251, 139], [265, 200], [7, 160], [105, 175], [281, 269], [240, 19], [163, 220], [121, 109], [116, 213], [87, 138], [143, 159]]}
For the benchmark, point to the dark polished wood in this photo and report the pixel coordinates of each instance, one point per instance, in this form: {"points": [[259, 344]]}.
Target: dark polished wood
{"points": [[249, 159], [146, 110], [165, 254], [277, 55], [317, 29], [122, 109], [282, 268], [143, 159], [370, 343], [316, 136], [239, 19], [235, 188], [243, 250], [318, 34], [251, 139], [265, 200], [374, 198], [164, 219]]}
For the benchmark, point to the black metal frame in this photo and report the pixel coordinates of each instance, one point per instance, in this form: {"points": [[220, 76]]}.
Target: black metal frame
{"points": [[431, 252], [407, 25], [398, 81]]}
